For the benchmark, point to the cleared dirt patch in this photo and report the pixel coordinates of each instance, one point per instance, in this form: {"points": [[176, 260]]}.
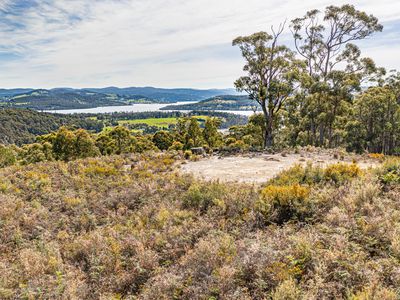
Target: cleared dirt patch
{"points": [[261, 167]]}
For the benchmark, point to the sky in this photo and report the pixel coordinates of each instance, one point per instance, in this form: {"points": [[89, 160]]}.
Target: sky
{"points": [[163, 43]]}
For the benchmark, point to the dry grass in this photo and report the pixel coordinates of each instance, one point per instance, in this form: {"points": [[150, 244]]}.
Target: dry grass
{"points": [[97, 229]]}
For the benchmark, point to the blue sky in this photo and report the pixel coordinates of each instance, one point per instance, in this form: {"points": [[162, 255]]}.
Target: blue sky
{"points": [[164, 43]]}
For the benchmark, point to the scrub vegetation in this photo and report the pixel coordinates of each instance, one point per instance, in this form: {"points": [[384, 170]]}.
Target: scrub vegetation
{"points": [[130, 227]]}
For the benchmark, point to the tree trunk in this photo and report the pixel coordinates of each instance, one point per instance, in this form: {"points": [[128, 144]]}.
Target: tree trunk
{"points": [[269, 136], [269, 140]]}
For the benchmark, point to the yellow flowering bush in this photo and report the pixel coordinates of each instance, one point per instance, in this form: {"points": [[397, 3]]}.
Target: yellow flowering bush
{"points": [[282, 203]]}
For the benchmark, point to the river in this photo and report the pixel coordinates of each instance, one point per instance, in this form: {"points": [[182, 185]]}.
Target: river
{"points": [[136, 108]]}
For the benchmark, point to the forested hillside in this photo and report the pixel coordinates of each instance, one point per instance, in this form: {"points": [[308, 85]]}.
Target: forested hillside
{"points": [[227, 102], [166, 95], [62, 99], [22, 126], [68, 98]]}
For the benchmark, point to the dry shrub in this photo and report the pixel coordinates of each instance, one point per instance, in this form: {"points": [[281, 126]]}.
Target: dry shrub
{"points": [[299, 174], [338, 173], [72, 231], [287, 290], [282, 203], [202, 196], [378, 156], [375, 291]]}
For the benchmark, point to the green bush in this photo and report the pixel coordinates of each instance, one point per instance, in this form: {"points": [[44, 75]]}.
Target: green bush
{"points": [[163, 140], [389, 173], [280, 204], [202, 196], [7, 156]]}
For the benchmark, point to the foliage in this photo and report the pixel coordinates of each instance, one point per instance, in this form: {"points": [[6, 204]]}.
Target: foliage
{"points": [[338, 173], [298, 174], [334, 68], [375, 124], [203, 196]]}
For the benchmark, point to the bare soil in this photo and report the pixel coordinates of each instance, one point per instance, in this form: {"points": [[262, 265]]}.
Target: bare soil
{"points": [[259, 168]]}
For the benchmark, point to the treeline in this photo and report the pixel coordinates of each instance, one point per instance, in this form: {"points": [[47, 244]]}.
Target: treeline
{"points": [[22, 126], [369, 122], [66, 144], [317, 95], [112, 119]]}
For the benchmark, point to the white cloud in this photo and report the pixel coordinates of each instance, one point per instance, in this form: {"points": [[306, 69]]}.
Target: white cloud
{"points": [[139, 42]]}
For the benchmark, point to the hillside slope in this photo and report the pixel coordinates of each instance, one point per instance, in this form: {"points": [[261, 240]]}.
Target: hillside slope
{"points": [[62, 99], [21, 126], [69, 98], [224, 102], [166, 95], [130, 227]]}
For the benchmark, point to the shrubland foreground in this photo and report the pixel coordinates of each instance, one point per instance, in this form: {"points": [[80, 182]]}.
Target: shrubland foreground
{"points": [[131, 227]]}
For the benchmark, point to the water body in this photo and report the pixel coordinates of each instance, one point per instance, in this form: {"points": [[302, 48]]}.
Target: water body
{"points": [[136, 108], [111, 109]]}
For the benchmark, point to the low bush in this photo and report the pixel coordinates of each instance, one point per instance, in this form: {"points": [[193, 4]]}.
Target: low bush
{"points": [[389, 173], [341, 172], [299, 174], [7, 156], [282, 203], [202, 196], [311, 175]]}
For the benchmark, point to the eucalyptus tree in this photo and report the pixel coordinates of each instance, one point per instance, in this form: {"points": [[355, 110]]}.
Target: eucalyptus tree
{"points": [[272, 75], [375, 122], [335, 66], [393, 82]]}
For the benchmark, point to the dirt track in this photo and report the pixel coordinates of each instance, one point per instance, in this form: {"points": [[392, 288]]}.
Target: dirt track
{"points": [[258, 168]]}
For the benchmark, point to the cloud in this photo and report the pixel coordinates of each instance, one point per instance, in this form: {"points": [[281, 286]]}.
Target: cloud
{"points": [[47, 43]]}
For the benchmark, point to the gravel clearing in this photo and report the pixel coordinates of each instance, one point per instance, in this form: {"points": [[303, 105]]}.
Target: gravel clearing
{"points": [[259, 168]]}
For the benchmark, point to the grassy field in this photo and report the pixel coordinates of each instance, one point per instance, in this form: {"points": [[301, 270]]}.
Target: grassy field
{"points": [[159, 122]]}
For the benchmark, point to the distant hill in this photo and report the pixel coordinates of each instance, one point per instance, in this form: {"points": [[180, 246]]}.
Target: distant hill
{"points": [[166, 95], [68, 98], [224, 102], [13, 92], [61, 99]]}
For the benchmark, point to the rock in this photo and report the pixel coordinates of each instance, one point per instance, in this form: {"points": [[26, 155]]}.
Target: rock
{"points": [[198, 150]]}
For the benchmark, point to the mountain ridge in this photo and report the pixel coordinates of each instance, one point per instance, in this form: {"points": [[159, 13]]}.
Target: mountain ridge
{"points": [[70, 98]]}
